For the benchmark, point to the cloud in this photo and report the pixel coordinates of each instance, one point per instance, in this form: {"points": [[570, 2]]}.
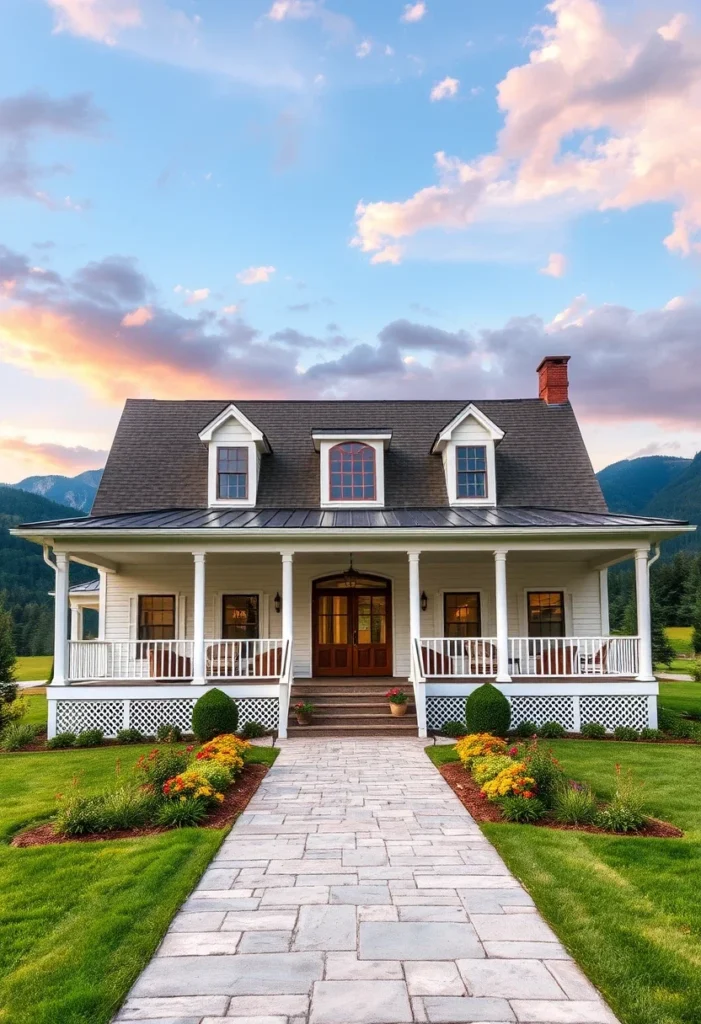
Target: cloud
{"points": [[602, 116], [28, 117], [295, 9], [657, 448], [101, 20], [625, 364], [255, 275], [51, 457], [390, 254], [364, 49], [192, 295], [556, 265], [137, 317], [230, 310], [445, 89], [413, 12]]}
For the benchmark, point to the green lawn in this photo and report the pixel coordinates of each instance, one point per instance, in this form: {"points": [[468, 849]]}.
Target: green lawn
{"points": [[28, 669], [78, 922], [680, 638], [36, 710], [682, 697], [626, 908]]}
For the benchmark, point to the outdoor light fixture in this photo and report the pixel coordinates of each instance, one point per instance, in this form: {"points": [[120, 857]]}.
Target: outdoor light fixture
{"points": [[424, 601], [351, 575], [277, 601]]}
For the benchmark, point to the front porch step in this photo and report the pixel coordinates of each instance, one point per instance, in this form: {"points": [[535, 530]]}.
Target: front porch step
{"points": [[351, 705], [398, 727]]}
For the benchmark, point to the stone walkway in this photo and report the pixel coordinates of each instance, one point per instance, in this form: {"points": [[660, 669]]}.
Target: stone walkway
{"points": [[356, 889]]}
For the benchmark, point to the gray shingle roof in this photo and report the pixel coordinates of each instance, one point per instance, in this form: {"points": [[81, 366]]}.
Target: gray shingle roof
{"points": [[158, 462], [324, 519]]}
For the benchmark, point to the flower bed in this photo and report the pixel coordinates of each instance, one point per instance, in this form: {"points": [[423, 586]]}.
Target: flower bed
{"points": [[524, 783], [169, 787]]}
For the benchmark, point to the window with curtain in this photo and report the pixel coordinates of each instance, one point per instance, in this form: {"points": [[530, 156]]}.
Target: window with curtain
{"points": [[232, 472], [352, 472], [240, 618], [462, 615], [546, 613], [471, 471]]}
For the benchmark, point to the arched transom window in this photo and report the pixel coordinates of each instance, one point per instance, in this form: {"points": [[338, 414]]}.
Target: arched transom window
{"points": [[352, 472]]}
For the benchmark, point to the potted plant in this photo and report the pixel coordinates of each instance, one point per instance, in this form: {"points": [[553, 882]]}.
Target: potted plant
{"points": [[303, 712], [397, 701]]}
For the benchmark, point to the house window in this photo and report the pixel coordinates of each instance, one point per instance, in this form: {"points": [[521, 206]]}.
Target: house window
{"points": [[462, 615], [157, 617], [240, 617], [546, 613], [472, 471], [352, 472], [232, 473]]}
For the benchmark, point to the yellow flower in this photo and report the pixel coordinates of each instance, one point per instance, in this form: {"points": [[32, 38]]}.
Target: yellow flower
{"points": [[478, 745], [511, 781]]}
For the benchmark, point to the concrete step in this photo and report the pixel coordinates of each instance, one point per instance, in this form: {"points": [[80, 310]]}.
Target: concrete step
{"points": [[346, 714]]}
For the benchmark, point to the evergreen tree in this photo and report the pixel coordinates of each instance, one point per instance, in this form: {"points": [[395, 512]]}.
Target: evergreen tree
{"points": [[662, 650], [8, 685], [696, 633], [629, 625]]}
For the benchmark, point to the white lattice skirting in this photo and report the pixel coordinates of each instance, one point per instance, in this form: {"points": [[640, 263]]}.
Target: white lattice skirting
{"points": [[571, 711], [147, 714]]}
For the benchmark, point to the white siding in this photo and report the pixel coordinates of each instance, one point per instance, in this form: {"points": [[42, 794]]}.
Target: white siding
{"points": [[580, 584]]}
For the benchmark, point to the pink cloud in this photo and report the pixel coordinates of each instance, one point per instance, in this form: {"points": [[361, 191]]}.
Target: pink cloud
{"points": [[556, 265], [445, 89], [635, 101], [101, 20], [50, 457], [413, 12], [137, 317], [255, 275]]}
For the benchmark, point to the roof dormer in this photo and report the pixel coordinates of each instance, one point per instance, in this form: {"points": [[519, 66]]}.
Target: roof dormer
{"points": [[235, 449], [467, 445], [352, 467]]}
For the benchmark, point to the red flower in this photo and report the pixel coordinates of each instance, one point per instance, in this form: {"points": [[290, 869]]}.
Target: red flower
{"points": [[513, 752]]}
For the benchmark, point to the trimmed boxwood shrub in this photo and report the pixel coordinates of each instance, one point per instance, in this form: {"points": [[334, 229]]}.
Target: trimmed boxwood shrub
{"points": [[454, 729], [213, 715], [552, 731], [90, 738], [593, 731], [253, 731], [487, 710], [526, 729], [61, 741]]}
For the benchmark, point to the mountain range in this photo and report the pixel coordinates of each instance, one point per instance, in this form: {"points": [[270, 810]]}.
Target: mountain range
{"points": [[77, 492], [657, 485]]}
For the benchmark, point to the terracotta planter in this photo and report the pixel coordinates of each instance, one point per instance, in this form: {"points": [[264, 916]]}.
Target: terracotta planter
{"points": [[398, 709], [303, 719]]}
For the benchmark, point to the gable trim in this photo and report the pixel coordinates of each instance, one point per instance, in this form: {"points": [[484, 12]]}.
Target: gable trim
{"points": [[231, 412], [471, 410]]}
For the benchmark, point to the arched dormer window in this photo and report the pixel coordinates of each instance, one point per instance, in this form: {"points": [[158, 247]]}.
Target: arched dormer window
{"points": [[352, 475]]}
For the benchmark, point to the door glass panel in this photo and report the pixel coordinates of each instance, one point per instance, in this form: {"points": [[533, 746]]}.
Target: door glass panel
{"points": [[333, 619], [364, 606]]}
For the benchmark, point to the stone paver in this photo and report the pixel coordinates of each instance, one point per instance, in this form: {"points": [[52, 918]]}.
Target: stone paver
{"points": [[356, 889]]}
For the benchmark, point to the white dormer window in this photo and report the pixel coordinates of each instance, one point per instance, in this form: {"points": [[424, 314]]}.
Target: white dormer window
{"points": [[352, 471], [467, 446], [235, 449]]}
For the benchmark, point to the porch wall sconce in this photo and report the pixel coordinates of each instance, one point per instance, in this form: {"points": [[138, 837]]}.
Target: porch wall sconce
{"points": [[277, 602], [424, 601]]}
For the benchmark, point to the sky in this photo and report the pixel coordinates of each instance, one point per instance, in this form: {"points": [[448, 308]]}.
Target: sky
{"points": [[347, 199]]}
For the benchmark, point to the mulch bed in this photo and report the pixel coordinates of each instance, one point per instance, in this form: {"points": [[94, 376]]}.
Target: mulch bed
{"points": [[223, 816], [469, 795]]}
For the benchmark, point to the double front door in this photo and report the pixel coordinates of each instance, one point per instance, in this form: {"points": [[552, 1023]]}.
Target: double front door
{"points": [[352, 629]]}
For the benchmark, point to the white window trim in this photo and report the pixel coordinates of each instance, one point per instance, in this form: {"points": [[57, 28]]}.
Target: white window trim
{"points": [[447, 447], [325, 446], [450, 460], [180, 611], [252, 482]]}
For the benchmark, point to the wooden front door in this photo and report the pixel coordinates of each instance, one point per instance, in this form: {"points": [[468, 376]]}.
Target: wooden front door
{"points": [[352, 629]]}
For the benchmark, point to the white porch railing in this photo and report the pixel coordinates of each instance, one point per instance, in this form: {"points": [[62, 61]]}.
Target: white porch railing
{"points": [[243, 659], [536, 657], [165, 660], [574, 656], [129, 659], [458, 657]]}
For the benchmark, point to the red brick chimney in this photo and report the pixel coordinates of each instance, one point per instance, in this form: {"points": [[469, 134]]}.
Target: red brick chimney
{"points": [[553, 385]]}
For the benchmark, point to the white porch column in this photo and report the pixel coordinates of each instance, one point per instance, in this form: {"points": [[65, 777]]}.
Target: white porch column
{"points": [[102, 610], [604, 600], [76, 622], [414, 596], [503, 675], [198, 665], [61, 620], [414, 635], [642, 596], [287, 635]]}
